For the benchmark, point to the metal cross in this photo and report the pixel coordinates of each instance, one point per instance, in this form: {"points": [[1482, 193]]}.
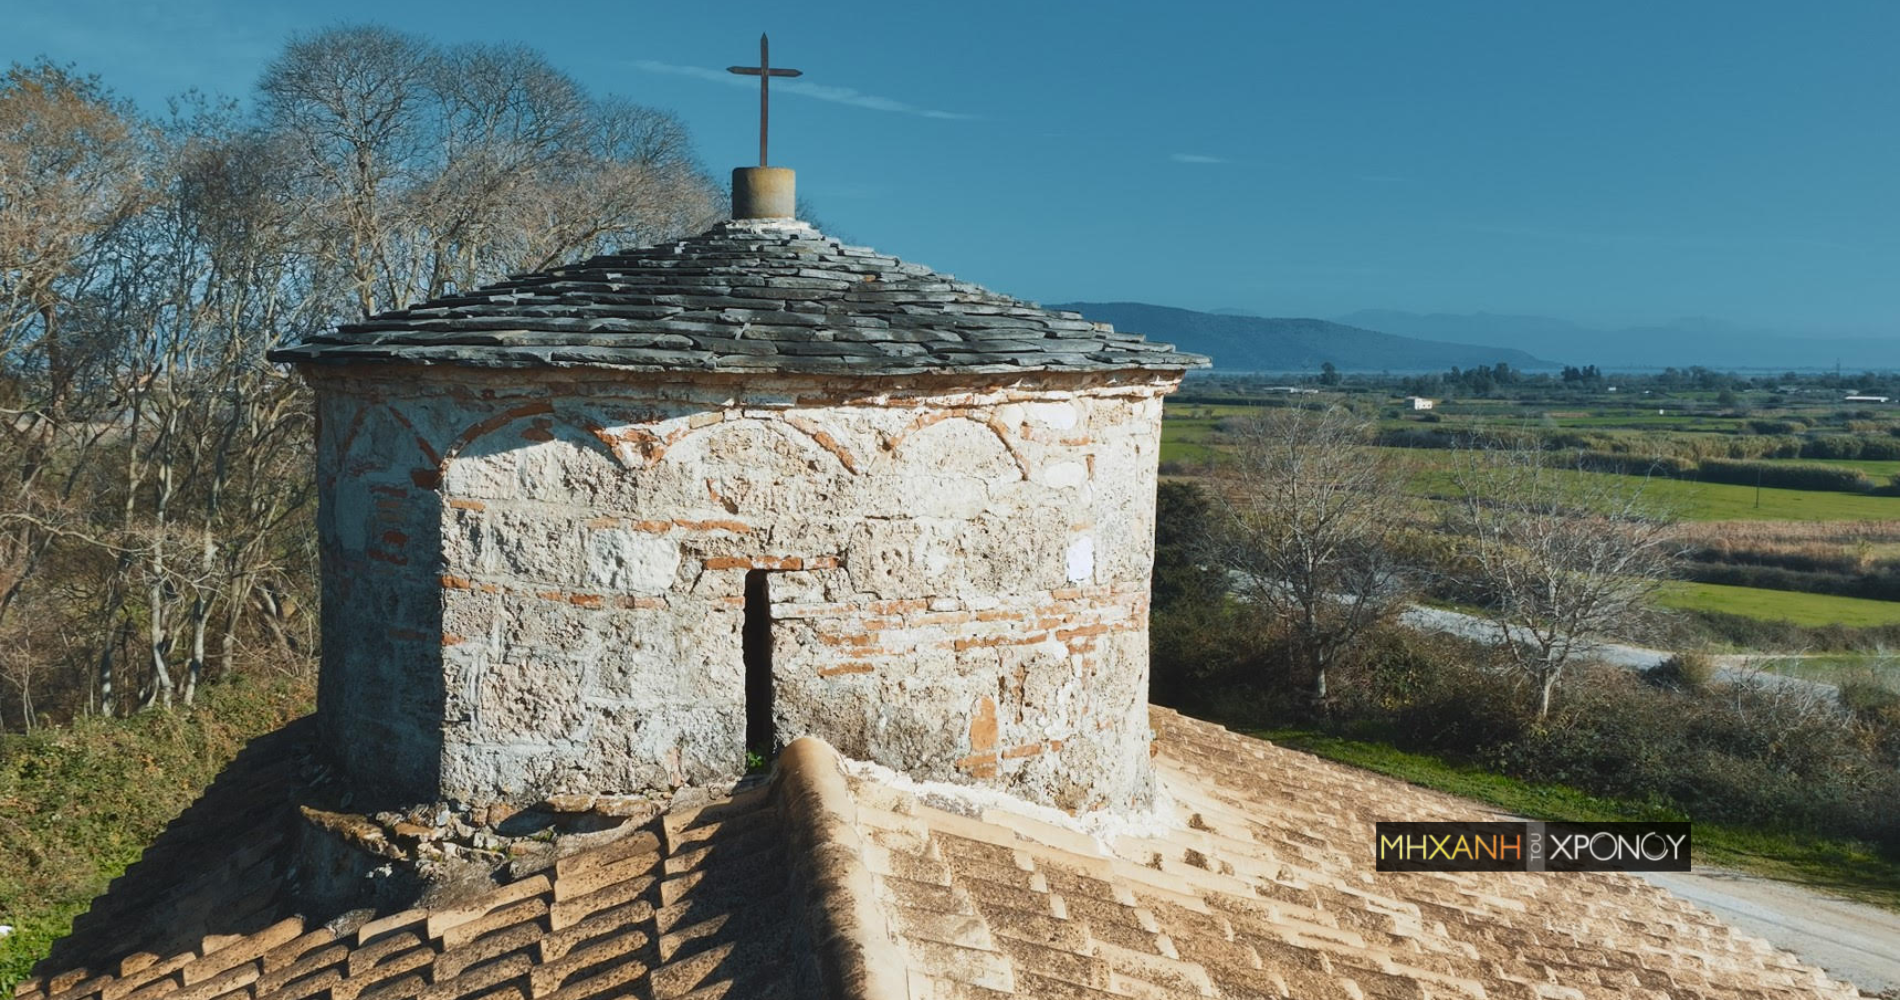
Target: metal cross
{"points": [[765, 73]]}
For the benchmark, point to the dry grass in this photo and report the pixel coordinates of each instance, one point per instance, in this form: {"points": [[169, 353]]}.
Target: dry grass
{"points": [[1843, 547], [1792, 532]]}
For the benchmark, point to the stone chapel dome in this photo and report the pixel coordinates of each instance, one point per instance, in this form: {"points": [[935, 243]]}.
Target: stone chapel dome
{"points": [[746, 296], [621, 526]]}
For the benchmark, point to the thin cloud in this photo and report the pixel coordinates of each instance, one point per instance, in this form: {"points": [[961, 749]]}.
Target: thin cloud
{"points": [[1196, 158], [817, 91]]}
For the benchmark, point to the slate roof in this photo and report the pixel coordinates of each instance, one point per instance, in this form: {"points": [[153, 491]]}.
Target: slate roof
{"points": [[831, 881], [745, 296]]}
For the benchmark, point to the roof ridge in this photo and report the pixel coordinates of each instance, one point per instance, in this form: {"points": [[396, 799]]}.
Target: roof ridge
{"points": [[858, 953]]}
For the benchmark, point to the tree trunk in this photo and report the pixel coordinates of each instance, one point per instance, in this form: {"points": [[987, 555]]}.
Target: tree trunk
{"points": [[1319, 676], [234, 602], [106, 707], [156, 642], [195, 668], [200, 616]]}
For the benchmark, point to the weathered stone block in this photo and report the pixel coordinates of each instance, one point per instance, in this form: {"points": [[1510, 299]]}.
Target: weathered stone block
{"points": [[631, 562]]}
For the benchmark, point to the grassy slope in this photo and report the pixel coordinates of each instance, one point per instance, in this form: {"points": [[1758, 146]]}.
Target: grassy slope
{"points": [[79, 804], [1811, 610], [1717, 501], [1188, 437], [1841, 668], [1841, 867], [1724, 502]]}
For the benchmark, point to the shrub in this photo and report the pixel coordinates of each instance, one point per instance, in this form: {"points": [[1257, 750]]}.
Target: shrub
{"points": [[1200, 651], [1757, 755], [1879, 449], [1754, 755], [1883, 585], [1415, 437], [1871, 701], [1832, 446], [1635, 465], [1767, 635], [1684, 672], [1784, 475]]}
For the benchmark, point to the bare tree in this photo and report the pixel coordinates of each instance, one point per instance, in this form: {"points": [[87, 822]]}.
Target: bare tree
{"points": [[1309, 511], [1567, 558], [153, 465], [438, 169], [73, 180]]}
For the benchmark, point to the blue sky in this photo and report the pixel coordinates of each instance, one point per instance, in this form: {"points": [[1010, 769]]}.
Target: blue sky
{"points": [[1609, 163]]}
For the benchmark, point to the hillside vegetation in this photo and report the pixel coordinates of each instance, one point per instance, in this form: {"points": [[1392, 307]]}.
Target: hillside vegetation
{"points": [[80, 803]]}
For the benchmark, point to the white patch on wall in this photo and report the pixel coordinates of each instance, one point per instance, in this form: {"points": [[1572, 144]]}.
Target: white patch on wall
{"points": [[631, 562], [485, 476], [935, 563], [1065, 475], [1081, 559], [933, 554], [1061, 416]]}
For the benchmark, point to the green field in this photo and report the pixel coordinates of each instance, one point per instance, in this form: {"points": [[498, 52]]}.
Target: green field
{"points": [[1725, 502], [1187, 433], [1698, 501], [1648, 420], [1185, 451], [1185, 439], [1837, 668], [1780, 605], [1876, 469], [1842, 867]]}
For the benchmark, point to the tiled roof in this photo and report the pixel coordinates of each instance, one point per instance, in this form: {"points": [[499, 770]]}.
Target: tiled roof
{"points": [[745, 296], [1265, 888], [827, 884]]}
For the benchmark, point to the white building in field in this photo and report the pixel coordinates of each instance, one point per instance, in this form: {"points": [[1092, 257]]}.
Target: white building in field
{"points": [[1419, 403]]}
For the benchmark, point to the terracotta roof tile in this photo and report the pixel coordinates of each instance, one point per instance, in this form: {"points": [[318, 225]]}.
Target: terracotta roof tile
{"points": [[820, 884]]}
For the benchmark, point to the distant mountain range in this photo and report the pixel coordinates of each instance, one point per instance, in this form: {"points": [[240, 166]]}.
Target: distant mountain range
{"points": [[1240, 342], [1685, 342]]}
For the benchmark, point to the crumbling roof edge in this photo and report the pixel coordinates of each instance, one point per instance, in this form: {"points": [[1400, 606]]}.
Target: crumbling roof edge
{"points": [[858, 954]]}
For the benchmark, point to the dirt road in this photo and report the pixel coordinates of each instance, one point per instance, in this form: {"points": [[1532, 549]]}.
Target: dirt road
{"points": [[1731, 668], [1852, 941]]}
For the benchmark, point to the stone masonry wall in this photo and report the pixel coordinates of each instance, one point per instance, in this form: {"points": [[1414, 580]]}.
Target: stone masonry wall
{"points": [[534, 582]]}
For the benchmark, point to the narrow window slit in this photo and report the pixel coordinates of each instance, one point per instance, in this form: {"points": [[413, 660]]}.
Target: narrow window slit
{"points": [[756, 637]]}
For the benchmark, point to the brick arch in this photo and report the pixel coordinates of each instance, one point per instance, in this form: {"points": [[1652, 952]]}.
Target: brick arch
{"points": [[425, 452], [894, 443], [657, 451], [539, 408]]}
